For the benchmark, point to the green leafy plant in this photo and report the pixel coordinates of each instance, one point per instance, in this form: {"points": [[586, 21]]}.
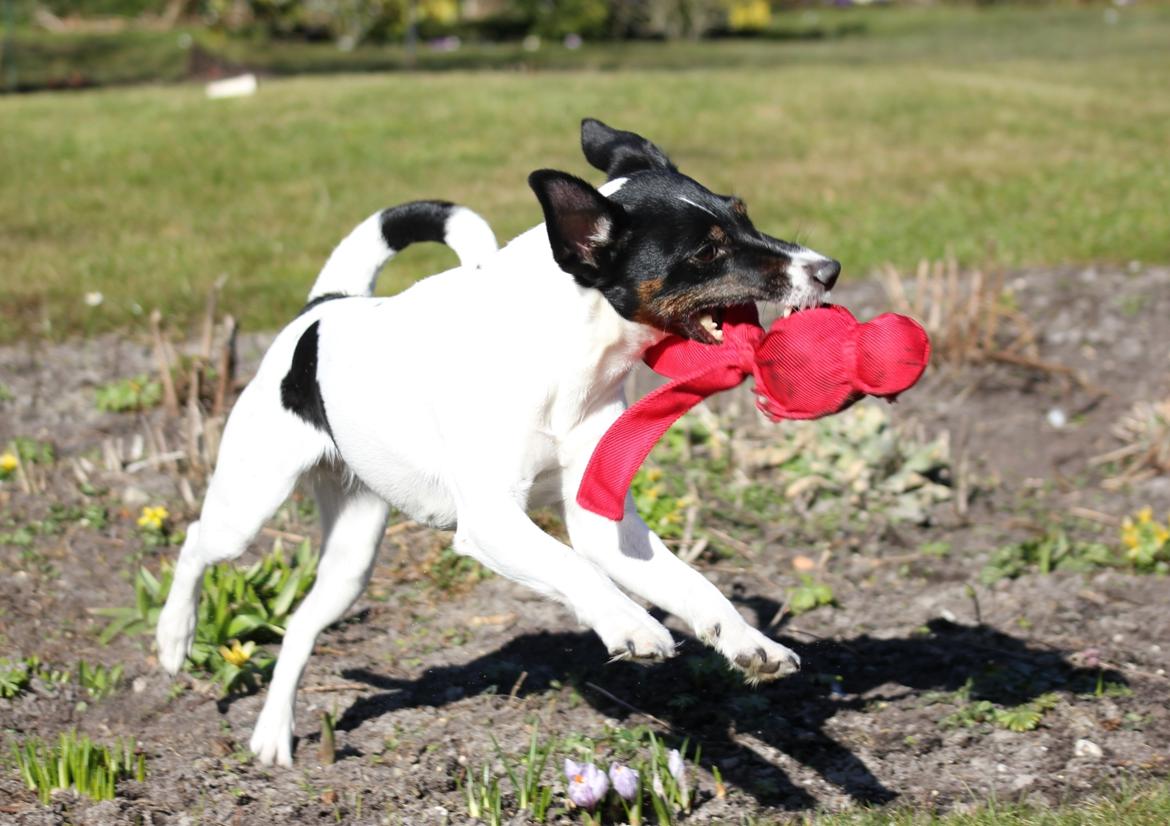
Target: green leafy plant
{"points": [[1047, 553], [1023, 717], [809, 595], [55, 521], [239, 611], [34, 452], [659, 502], [451, 571], [123, 395], [14, 677], [77, 763]]}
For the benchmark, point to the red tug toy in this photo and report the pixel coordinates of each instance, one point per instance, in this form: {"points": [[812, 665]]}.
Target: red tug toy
{"points": [[808, 365]]}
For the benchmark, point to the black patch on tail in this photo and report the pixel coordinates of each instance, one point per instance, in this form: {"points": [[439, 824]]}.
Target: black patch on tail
{"points": [[299, 391], [417, 221], [321, 299]]}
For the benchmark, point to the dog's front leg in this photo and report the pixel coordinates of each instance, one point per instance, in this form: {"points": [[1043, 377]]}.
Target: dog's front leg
{"points": [[637, 559], [501, 536]]}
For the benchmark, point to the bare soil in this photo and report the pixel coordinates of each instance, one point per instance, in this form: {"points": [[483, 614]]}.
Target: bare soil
{"points": [[421, 678]]}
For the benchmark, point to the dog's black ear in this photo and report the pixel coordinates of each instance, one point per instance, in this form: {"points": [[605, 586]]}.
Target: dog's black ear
{"points": [[583, 225], [618, 153]]}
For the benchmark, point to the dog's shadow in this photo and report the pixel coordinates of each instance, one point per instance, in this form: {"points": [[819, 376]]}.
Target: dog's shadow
{"points": [[696, 695]]}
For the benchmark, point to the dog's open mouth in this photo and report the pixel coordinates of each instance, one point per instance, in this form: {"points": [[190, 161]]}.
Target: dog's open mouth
{"points": [[711, 319]]}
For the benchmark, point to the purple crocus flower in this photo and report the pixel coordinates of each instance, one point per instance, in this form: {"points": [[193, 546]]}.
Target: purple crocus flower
{"points": [[625, 781], [587, 783]]}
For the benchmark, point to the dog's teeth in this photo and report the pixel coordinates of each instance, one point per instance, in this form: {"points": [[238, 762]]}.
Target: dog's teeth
{"points": [[707, 322], [787, 311]]}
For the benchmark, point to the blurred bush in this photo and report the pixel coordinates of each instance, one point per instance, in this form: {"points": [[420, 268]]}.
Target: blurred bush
{"points": [[103, 8], [350, 22]]}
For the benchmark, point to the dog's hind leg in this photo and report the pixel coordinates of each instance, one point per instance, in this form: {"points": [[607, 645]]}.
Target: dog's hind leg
{"points": [[265, 449], [353, 519]]}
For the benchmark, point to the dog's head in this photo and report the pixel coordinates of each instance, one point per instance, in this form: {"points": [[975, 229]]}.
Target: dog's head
{"points": [[663, 249]]}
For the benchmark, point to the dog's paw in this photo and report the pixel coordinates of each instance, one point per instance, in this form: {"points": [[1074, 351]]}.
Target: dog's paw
{"points": [[272, 740], [174, 634], [633, 637], [759, 658]]}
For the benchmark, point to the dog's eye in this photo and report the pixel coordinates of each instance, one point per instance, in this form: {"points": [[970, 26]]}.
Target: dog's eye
{"points": [[706, 253]]}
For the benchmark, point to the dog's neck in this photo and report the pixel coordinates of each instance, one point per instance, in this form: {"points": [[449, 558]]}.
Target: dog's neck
{"points": [[595, 347]]}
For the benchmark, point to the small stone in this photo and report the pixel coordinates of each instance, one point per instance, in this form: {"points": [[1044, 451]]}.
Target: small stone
{"points": [[1087, 748], [139, 685], [1057, 418], [134, 496], [1023, 781]]}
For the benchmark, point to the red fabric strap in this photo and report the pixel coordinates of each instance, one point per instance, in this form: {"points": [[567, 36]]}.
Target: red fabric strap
{"points": [[809, 365]]}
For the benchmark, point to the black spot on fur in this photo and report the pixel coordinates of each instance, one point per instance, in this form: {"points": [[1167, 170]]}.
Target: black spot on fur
{"points": [[299, 391], [414, 222]]}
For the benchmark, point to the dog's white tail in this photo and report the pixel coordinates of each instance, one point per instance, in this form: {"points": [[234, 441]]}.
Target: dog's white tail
{"points": [[353, 267]]}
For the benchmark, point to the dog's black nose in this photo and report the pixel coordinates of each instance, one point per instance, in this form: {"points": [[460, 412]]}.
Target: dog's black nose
{"points": [[827, 272]]}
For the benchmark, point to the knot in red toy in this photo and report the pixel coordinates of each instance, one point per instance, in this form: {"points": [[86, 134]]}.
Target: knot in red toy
{"points": [[808, 365]]}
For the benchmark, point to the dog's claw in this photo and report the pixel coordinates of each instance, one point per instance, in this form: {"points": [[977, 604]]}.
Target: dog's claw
{"points": [[749, 651]]}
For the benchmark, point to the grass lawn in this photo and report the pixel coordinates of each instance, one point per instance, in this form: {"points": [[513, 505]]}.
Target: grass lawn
{"points": [[1010, 136]]}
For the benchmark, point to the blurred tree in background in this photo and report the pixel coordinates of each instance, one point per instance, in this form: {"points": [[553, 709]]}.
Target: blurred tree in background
{"points": [[350, 22]]}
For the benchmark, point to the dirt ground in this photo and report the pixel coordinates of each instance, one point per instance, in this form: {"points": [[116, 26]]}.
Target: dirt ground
{"points": [[422, 678]]}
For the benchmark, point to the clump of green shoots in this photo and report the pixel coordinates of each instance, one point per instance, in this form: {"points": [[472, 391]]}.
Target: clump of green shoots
{"points": [[14, 677], [531, 795], [483, 795], [239, 611], [133, 394], [99, 681], [1051, 551], [76, 762], [1019, 718]]}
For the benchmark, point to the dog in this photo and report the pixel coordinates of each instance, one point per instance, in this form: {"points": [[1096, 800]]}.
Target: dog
{"points": [[480, 393]]}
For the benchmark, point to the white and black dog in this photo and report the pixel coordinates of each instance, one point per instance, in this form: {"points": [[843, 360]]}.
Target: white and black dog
{"points": [[481, 392]]}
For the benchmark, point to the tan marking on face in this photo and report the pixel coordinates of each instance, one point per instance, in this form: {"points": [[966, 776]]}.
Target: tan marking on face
{"points": [[664, 310], [647, 298], [717, 234], [739, 207]]}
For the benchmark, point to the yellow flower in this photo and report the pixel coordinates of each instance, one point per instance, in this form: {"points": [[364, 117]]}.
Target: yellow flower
{"points": [[8, 463], [238, 654], [1129, 533], [653, 474], [152, 518], [1145, 515]]}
